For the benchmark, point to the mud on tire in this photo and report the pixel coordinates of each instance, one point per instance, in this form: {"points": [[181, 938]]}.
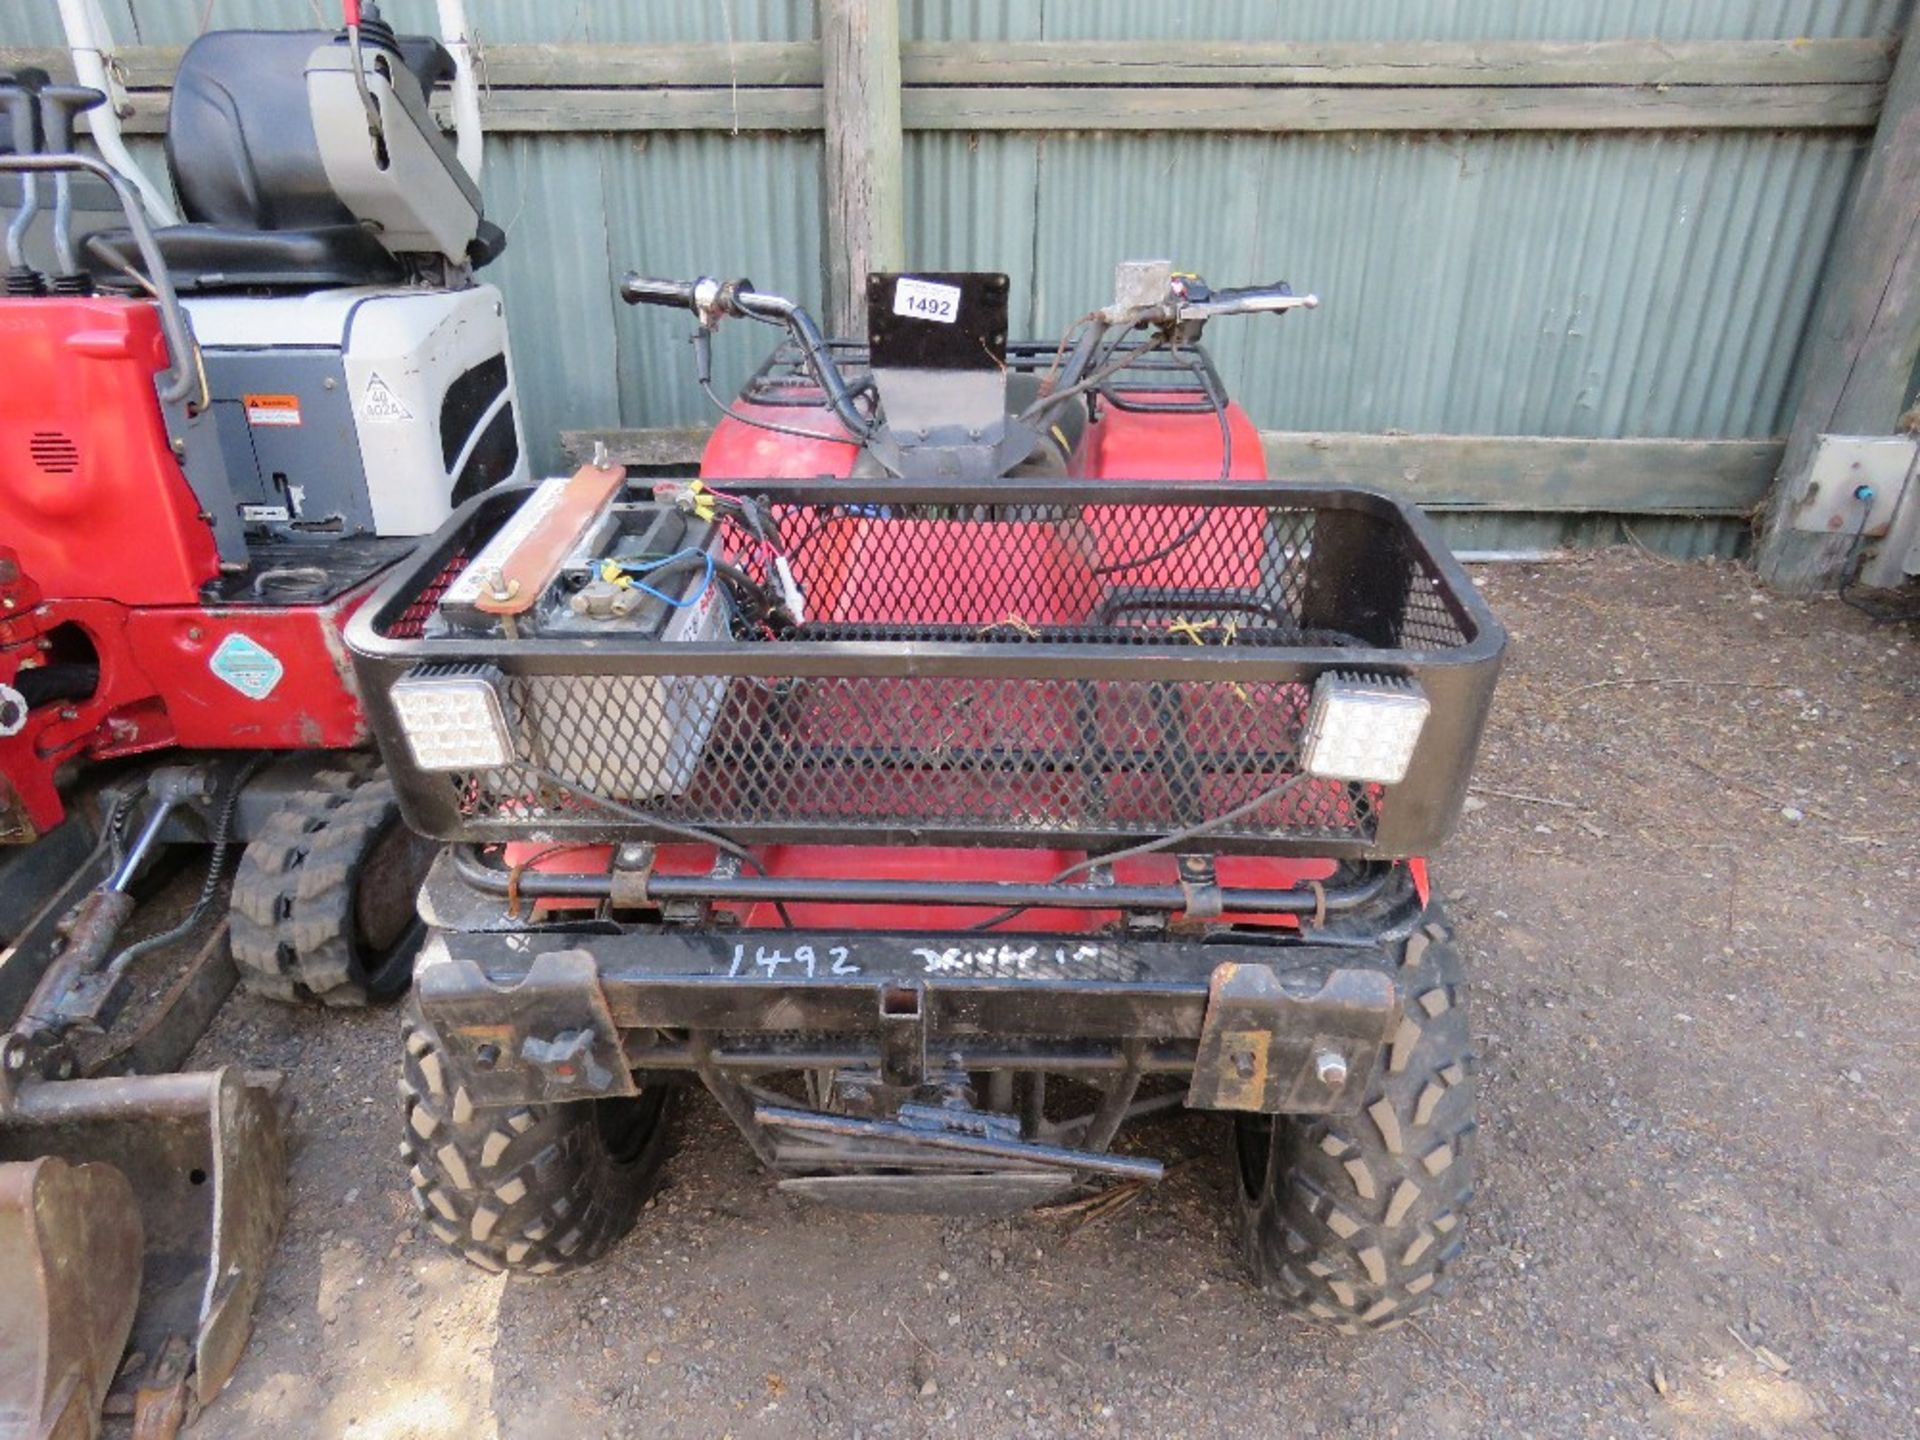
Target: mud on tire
{"points": [[323, 900], [534, 1189], [1352, 1220]]}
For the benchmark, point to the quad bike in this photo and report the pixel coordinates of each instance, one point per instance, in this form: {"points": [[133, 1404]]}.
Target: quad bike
{"points": [[979, 754], [217, 434]]}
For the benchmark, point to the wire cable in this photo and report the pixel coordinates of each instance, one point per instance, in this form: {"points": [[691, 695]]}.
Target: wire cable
{"points": [[216, 872], [1188, 535], [1879, 614], [1225, 817], [641, 817]]}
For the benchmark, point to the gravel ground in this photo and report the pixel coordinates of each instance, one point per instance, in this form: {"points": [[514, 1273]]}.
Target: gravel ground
{"points": [[1686, 890]]}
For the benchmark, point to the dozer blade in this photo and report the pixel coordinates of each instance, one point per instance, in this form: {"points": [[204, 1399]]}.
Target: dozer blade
{"points": [[70, 1252], [206, 1161]]}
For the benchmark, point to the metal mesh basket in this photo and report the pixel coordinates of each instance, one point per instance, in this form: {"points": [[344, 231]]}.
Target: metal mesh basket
{"points": [[1089, 666]]}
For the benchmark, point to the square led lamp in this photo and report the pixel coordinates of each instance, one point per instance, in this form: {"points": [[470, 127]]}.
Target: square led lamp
{"points": [[1363, 727], [453, 717]]}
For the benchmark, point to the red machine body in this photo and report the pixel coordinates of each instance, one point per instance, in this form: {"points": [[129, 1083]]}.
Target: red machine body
{"points": [[1118, 444], [105, 563]]}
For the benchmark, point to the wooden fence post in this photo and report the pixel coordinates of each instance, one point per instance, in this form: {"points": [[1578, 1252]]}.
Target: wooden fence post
{"points": [[1866, 338], [866, 203]]}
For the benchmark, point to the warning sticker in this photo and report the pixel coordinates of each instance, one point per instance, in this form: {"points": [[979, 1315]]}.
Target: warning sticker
{"points": [[272, 409], [378, 402], [247, 666]]}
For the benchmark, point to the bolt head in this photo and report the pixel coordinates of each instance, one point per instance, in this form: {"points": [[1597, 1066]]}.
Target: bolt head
{"points": [[487, 1056], [1331, 1068]]}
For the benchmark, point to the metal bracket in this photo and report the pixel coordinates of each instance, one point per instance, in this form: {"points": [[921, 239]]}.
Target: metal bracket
{"points": [[551, 1037], [1201, 883], [1265, 1047], [632, 870], [903, 1033]]}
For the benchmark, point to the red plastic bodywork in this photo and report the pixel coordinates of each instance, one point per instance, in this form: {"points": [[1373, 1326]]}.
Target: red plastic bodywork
{"points": [[103, 549], [1119, 445], [94, 505], [738, 450]]}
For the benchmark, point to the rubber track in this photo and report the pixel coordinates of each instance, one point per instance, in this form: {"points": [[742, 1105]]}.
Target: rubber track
{"points": [[293, 904], [1361, 1214], [531, 1189]]}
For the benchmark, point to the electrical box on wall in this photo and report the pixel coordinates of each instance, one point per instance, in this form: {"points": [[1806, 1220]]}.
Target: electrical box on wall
{"points": [[1867, 487]]}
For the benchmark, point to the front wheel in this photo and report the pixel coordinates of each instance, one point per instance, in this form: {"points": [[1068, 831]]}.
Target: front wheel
{"points": [[1351, 1221], [534, 1189]]}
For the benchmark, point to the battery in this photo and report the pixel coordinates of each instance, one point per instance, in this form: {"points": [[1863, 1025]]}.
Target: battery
{"points": [[639, 571]]}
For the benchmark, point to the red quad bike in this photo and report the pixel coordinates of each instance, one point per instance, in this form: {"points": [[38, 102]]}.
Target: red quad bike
{"points": [[214, 435], [980, 754]]}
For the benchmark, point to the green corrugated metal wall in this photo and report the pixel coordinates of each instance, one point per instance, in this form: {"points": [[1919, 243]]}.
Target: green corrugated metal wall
{"points": [[1622, 284]]}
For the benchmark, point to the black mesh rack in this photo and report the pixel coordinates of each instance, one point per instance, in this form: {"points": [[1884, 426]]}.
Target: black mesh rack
{"points": [[1078, 664]]}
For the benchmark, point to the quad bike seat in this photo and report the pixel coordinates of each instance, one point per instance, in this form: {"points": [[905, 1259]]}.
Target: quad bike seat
{"points": [[261, 211]]}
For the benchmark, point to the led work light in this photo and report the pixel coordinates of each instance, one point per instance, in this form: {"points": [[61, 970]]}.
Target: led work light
{"points": [[1363, 727], [453, 717]]}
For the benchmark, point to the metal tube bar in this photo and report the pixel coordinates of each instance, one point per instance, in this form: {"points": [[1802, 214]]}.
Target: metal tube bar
{"points": [[90, 42], [181, 378], [537, 885], [1105, 1123], [1123, 1167]]}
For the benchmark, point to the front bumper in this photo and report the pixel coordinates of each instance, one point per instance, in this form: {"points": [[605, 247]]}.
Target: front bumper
{"points": [[545, 1015]]}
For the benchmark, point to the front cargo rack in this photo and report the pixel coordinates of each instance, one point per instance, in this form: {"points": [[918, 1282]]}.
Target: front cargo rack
{"points": [[1074, 664]]}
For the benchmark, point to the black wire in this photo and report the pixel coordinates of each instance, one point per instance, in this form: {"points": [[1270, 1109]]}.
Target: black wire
{"points": [[1225, 817], [1186, 536], [727, 410], [216, 871], [672, 827], [1879, 614]]}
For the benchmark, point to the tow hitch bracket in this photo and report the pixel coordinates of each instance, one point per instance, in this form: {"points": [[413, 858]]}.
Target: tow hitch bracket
{"points": [[549, 1037], [1266, 1047]]}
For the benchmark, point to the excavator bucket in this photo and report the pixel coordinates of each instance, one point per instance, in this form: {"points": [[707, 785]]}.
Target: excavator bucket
{"points": [[70, 1244], [203, 1165]]}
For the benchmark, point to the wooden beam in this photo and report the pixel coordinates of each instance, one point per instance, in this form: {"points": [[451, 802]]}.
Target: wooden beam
{"points": [[1865, 343], [1399, 63], [1495, 473], [1535, 473], [1344, 108], [651, 448], [1260, 88], [866, 191], [1524, 63]]}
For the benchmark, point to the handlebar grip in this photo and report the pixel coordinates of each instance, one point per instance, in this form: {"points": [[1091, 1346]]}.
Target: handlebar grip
{"points": [[60, 106], [637, 289], [20, 93]]}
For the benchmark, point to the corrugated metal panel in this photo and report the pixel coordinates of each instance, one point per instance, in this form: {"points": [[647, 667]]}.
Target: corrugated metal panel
{"points": [[557, 275], [581, 212], [1512, 284], [688, 205], [175, 22], [1456, 20]]}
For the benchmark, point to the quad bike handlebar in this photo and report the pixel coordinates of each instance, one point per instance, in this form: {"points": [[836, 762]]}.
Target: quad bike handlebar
{"points": [[1179, 306], [712, 300], [1210, 304]]}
